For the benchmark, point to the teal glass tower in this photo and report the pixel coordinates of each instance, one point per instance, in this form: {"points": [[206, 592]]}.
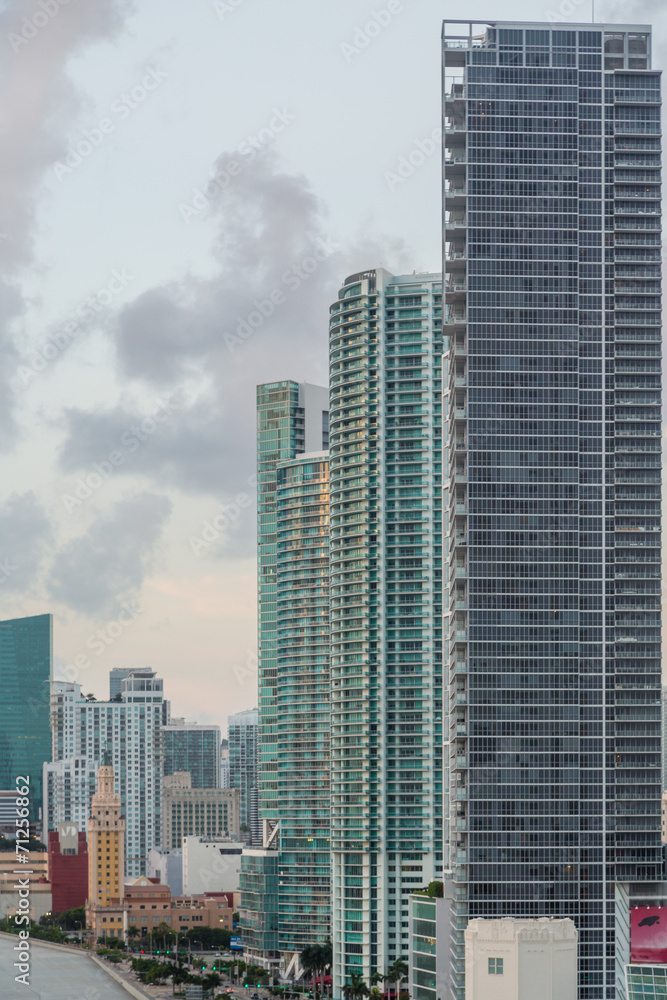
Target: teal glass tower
{"points": [[26, 670], [303, 726], [385, 611], [292, 419]]}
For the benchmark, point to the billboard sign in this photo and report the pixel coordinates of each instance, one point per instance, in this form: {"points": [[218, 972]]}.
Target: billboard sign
{"points": [[648, 934], [236, 943]]}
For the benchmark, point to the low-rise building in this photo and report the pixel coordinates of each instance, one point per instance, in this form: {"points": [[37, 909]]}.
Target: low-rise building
{"points": [[521, 959], [148, 904], [211, 864], [40, 900], [68, 867], [210, 910]]}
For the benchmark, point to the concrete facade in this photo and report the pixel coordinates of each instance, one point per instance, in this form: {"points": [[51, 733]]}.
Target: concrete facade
{"points": [[211, 865], [522, 959], [197, 812]]}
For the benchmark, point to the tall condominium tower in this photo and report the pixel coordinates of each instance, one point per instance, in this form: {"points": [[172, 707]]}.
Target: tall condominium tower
{"points": [[385, 626], [292, 418], [26, 668], [243, 768], [128, 733], [552, 254], [302, 699]]}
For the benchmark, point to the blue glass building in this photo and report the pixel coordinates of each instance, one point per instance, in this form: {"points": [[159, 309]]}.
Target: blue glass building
{"points": [[26, 669], [552, 254]]}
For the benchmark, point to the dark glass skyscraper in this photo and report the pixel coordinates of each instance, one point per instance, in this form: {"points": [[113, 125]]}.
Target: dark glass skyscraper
{"points": [[552, 254], [26, 668]]}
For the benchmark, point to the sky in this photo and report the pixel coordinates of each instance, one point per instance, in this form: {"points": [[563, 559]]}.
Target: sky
{"points": [[166, 171]]}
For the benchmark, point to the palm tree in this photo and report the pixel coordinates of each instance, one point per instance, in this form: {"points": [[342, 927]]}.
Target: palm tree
{"points": [[395, 973], [133, 934], [356, 988]]}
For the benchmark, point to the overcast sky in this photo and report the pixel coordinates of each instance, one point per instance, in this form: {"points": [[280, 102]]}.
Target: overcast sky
{"points": [[166, 169]]}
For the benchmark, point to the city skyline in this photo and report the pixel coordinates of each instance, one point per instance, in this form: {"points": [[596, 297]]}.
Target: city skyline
{"points": [[193, 581]]}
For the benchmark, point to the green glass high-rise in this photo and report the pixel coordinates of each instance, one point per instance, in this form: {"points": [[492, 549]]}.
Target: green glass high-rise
{"points": [[292, 419], [302, 700], [26, 669], [385, 611]]}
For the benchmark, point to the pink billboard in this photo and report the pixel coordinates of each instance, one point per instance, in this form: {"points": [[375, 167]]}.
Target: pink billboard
{"points": [[648, 934]]}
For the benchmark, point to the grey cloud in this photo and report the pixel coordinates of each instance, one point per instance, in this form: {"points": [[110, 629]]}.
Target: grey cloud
{"points": [[269, 224], [25, 539], [37, 102], [92, 573]]}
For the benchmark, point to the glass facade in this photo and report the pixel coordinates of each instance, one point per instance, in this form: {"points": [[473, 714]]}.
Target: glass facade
{"points": [[302, 699], [292, 419], [26, 669], [195, 749], [243, 763], [552, 253], [385, 612], [646, 982]]}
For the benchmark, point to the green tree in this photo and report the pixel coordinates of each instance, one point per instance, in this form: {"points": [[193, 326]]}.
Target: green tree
{"points": [[356, 988]]}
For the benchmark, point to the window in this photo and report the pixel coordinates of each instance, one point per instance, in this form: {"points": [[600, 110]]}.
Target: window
{"points": [[495, 966]]}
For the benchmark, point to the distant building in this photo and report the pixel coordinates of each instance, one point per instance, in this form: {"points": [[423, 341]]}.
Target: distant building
{"points": [[243, 765], [68, 867], [224, 764], [69, 786], [198, 812], [167, 867], [26, 668], [521, 959], [130, 731], [36, 871], [646, 982], [105, 912], [664, 738], [8, 812], [193, 748], [147, 904], [212, 909], [118, 674], [210, 865], [258, 909]]}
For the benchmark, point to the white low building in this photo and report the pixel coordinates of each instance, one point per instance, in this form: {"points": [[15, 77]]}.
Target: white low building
{"points": [[521, 959], [211, 864]]}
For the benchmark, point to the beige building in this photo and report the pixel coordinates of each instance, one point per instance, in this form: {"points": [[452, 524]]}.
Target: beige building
{"points": [[197, 812], [521, 959], [13, 900], [105, 912], [664, 815]]}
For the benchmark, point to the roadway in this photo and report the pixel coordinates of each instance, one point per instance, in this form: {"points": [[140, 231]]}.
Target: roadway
{"points": [[56, 975]]}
